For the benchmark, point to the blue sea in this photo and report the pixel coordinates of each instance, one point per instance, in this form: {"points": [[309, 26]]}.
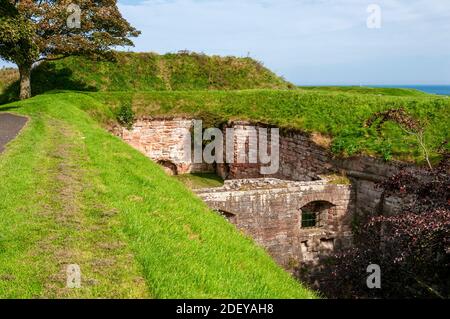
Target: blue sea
{"points": [[431, 89]]}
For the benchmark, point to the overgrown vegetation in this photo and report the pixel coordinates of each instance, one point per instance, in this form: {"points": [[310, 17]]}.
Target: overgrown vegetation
{"points": [[7, 77], [71, 193], [412, 247], [211, 88], [340, 116], [407, 123], [125, 116], [9, 85], [150, 71], [80, 195]]}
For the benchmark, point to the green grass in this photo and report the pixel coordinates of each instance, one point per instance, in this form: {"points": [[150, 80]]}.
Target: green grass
{"points": [[340, 116], [218, 89], [200, 180], [73, 193], [150, 71], [366, 90]]}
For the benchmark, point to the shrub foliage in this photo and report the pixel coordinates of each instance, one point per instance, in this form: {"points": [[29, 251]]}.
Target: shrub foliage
{"points": [[412, 248]]}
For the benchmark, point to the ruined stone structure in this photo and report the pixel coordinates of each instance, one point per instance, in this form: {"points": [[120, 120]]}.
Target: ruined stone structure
{"points": [[167, 142], [364, 174], [294, 214], [300, 158], [295, 221]]}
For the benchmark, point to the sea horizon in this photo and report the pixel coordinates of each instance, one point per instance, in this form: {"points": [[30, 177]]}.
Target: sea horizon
{"points": [[440, 89]]}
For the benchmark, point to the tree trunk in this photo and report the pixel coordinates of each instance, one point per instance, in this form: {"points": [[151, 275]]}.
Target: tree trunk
{"points": [[25, 83]]}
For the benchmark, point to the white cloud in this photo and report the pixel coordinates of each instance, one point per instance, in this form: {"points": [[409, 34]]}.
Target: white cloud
{"points": [[308, 41], [295, 35]]}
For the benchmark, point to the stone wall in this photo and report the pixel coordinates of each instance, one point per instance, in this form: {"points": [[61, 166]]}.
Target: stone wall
{"points": [[167, 141], [300, 158], [270, 211], [365, 173], [269, 208]]}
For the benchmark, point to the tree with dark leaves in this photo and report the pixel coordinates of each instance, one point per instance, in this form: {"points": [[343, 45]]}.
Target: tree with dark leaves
{"points": [[38, 30], [412, 248]]}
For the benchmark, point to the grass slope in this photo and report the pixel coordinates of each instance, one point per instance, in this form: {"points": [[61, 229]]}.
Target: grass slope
{"points": [[150, 71], [73, 193], [339, 116], [366, 90], [211, 88]]}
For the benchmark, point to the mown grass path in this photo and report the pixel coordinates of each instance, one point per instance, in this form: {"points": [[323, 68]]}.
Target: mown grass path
{"points": [[59, 226]]}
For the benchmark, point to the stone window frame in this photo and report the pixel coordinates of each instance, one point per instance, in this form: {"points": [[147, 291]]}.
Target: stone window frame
{"points": [[313, 220], [321, 216]]}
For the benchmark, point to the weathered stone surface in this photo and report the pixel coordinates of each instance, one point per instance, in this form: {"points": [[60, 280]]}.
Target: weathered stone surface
{"points": [[269, 207], [300, 158], [269, 210], [167, 142]]}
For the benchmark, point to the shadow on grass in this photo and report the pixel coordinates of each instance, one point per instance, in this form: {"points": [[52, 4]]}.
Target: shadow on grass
{"points": [[8, 108], [200, 180], [44, 78]]}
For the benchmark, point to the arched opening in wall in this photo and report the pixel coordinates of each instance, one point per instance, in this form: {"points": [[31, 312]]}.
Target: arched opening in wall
{"points": [[228, 216], [169, 167], [315, 214]]}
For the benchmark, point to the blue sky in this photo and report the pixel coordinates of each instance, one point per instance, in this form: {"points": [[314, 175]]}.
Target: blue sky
{"points": [[307, 41]]}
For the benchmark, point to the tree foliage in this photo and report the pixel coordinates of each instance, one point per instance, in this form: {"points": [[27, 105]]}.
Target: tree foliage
{"points": [[16, 35], [37, 30], [412, 248]]}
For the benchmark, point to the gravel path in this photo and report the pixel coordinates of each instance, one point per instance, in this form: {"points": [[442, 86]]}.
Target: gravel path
{"points": [[10, 126]]}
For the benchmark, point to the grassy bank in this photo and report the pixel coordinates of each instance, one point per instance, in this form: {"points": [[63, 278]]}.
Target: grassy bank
{"points": [[218, 89], [74, 194], [366, 90], [150, 71], [338, 116]]}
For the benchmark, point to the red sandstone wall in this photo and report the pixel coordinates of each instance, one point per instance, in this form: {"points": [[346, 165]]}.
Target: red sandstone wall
{"points": [[166, 141], [300, 158], [270, 212]]}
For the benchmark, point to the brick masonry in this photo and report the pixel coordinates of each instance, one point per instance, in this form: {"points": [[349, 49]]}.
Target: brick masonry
{"points": [[365, 173], [300, 158], [269, 207], [270, 211], [166, 141]]}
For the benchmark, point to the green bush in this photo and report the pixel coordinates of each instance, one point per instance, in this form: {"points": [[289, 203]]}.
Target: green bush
{"points": [[125, 116]]}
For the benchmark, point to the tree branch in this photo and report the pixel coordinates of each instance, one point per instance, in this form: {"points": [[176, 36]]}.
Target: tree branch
{"points": [[51, 59]]}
